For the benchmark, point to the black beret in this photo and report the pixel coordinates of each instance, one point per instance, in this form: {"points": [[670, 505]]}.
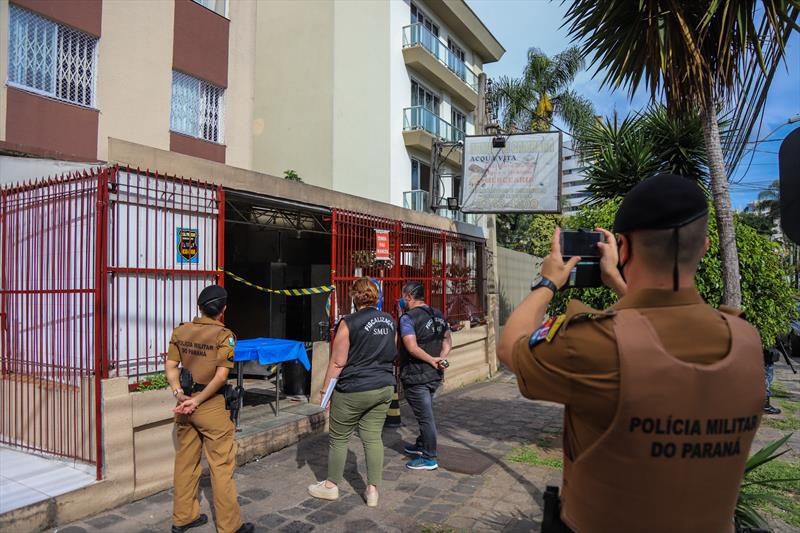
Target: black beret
{"points": [[213, 294], [664, 201]]}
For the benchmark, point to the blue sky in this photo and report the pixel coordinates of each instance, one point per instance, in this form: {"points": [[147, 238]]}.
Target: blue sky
{"points": [[520, 24]]}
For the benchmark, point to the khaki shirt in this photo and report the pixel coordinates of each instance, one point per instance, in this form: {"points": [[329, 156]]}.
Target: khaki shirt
{"points": [[201, 346], [579, 366]]}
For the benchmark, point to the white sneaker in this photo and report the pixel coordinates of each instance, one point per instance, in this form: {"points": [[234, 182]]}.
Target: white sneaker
{"points": [[319, 490], [372, 498]]}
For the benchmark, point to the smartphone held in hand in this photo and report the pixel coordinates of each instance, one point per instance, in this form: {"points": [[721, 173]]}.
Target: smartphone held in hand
{"points": [[582, 243]]}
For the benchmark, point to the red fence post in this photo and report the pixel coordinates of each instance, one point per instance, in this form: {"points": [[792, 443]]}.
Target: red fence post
{"points": [[444, 275], [221, 235], [100, 310]]}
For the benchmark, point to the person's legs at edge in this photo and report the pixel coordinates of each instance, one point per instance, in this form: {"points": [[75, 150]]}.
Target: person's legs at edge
{"points": [[420, 398], [370, 429], [769, 376], [185, 507], [215, 424]]}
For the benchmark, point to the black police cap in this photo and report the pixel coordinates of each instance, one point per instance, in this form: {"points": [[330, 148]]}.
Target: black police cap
{"points": [[213, 294], [665, 201]]}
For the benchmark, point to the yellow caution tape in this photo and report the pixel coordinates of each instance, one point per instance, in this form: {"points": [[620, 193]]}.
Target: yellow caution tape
{"points": [[286, 292]]}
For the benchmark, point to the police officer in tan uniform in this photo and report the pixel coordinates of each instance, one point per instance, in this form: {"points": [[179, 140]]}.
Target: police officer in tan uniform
{"points": [[204, 347], [662, 392]]}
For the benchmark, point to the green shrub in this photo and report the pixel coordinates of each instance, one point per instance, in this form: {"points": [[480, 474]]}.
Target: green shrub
{"points": [[153, 382], [769, 485]]}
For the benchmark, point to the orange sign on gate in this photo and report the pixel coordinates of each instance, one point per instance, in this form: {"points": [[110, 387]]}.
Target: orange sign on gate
{"points": [[382, 245]]}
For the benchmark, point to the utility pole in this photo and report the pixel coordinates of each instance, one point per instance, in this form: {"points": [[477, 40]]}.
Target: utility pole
{"points": [[436, 151], [490, 261]]}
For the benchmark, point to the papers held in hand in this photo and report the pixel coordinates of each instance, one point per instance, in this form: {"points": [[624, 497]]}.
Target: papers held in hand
{"points": [[328, 393]]}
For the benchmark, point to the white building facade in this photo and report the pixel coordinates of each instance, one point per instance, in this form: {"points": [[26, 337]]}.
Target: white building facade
{"points": [[573, 180], [370, 86]]}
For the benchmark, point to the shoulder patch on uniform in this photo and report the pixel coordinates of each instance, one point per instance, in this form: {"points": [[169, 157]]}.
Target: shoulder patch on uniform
{"points": [[231, 341], [546, 331]]}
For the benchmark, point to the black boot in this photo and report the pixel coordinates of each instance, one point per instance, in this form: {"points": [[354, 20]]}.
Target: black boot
{"points": [[769, 409], [200, 521], [247, 527]]}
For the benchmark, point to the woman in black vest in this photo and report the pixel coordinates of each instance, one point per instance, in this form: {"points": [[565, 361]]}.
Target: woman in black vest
{"points": [[362, 360]]}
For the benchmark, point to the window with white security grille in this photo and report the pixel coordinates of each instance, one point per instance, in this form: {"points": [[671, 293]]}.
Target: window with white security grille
{"points": [[197, 108], [50, 58]]}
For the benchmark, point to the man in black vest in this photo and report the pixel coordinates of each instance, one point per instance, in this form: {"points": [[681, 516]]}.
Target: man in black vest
{"points": [[426, 343]]}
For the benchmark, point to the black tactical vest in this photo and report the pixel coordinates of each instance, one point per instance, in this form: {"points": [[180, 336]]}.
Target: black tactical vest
{"points": [[370, 361], [430, 328]]}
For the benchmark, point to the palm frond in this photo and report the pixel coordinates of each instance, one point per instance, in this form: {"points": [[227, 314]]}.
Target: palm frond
{"points": [[564, 67], [513, 99], [577, 111], [537, 70], [693, 53], [766, 454]]}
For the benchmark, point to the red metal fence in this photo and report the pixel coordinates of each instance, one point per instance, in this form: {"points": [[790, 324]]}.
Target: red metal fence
{"points": [[450, 265], [52, 243], [151, 286], [97, 269], [92, 283]]}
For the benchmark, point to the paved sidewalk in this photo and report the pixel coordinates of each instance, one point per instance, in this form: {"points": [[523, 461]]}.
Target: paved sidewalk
{"points": [[488, 418]]}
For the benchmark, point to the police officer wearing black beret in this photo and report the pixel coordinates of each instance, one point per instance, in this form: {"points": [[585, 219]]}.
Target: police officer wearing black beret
{"points": [[662, 392], [204, 347]]}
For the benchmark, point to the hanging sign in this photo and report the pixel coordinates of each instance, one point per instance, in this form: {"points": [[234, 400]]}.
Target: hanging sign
{"points": [[382, 245], [518, 173], [187, 245]]}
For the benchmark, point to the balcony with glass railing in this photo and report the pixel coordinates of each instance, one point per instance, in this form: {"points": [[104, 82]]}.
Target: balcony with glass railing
{"points": [[416, 200], [419, 35], [421, 118]]}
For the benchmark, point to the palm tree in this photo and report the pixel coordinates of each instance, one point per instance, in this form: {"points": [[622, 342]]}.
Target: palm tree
{"points": [[693, 52], [620, 154], [530, 102]]}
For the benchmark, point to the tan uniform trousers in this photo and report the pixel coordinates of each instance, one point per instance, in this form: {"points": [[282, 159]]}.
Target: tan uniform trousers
{"points": [[211, 428]]}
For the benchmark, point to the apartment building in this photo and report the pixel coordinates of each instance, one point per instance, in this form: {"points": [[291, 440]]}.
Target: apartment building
{"points": [[573, 185], [175, 75], [359, 90], [348, 94]]}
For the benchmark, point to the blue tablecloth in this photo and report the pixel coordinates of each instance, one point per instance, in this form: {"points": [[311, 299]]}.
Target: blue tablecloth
{"points": [[271, 351]]}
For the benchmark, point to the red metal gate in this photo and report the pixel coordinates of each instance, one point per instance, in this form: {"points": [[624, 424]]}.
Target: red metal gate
{"points": [[450, 265], [52, 245], [91, 285]]}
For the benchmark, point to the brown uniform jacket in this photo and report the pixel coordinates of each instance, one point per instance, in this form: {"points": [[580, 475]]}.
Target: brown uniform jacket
{"points": [[579, 365], [201, 346]]}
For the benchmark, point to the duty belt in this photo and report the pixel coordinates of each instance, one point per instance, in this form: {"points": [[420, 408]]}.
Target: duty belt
{"points": [[198, 387]]}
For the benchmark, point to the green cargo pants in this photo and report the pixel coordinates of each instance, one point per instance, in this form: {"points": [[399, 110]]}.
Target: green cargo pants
{"points": [[367, 410]]}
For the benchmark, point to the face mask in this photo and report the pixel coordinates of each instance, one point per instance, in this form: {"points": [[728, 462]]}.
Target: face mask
{"points": [[402, 303]]}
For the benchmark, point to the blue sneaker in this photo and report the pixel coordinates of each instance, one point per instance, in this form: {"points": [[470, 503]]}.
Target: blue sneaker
{"points": [[421, 463], [413, 449]]}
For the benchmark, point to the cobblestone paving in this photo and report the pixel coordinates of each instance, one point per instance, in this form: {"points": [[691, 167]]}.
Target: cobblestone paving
{"points": [[488, 418]]}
